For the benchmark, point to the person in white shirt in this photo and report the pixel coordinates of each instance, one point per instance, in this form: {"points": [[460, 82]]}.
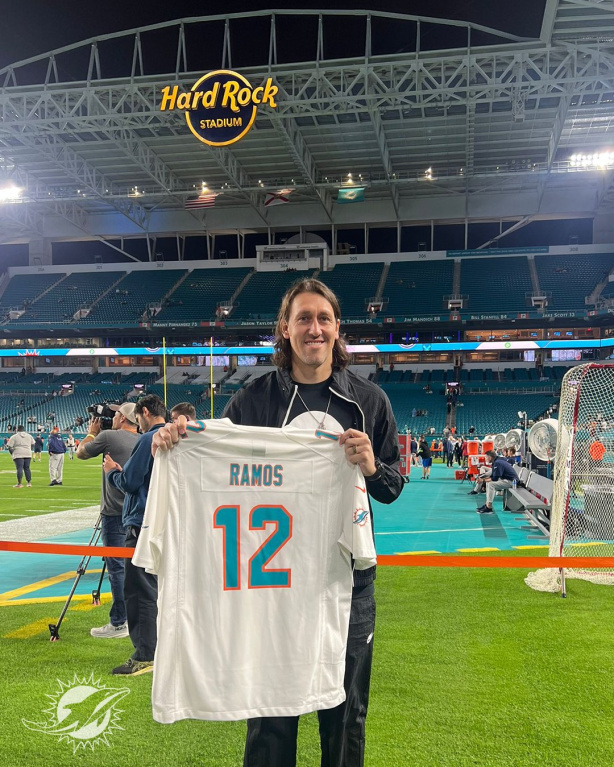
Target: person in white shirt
{"points": [[20, 447], [70, 446]]}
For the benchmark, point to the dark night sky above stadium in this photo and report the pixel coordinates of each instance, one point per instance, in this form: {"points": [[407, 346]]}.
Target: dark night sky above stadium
{"points": [[32, 27]]}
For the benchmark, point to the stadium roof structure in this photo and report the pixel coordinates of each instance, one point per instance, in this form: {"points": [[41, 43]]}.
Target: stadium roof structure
{"points": [[481, 129]]}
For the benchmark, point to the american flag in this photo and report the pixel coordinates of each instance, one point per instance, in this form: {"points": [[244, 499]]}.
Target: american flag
{"points": [[277, 198], [203, 200]]}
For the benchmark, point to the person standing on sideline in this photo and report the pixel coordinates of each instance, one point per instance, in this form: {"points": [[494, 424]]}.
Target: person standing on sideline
{"points": [[118, 442], [458, 450], [413, 449], [56, 449], [444, 449], [451, 443], [20, 447], [70, 446], [183, 408], [38, 448], [140, 587], [312, 387], [424, 451]]}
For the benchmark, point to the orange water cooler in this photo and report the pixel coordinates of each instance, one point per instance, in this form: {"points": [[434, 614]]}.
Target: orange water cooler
{"points": [[405, 461], [474, 459]]}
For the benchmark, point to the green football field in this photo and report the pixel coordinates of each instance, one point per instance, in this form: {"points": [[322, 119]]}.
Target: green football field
{"points": [[81, 487], [472, 669]]}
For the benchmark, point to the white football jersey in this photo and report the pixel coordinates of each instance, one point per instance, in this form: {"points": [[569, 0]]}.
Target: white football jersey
{"points": [[251, 532]]}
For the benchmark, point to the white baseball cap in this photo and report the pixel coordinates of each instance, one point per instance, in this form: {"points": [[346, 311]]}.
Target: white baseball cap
{"points": [[127, 410]]}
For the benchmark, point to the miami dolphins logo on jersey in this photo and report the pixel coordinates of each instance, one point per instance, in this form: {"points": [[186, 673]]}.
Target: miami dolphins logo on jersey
{"points": [[361, 516]]}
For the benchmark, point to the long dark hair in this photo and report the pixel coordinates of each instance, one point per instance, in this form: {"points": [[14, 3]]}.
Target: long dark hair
{"points": [[282, 357]]}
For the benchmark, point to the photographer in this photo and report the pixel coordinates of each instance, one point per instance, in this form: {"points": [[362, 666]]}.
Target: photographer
{"points": [[118, 442]]}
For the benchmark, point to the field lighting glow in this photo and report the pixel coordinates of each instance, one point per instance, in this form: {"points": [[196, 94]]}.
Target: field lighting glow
{"points": [[10, 193], [598, 160]]}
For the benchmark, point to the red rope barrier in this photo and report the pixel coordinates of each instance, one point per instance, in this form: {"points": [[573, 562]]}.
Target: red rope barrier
{"points": [[398, 560], [66, 548], [520, 562]]}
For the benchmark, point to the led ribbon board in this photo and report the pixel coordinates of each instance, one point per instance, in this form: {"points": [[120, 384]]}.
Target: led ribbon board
{"points": [[221, 106]]}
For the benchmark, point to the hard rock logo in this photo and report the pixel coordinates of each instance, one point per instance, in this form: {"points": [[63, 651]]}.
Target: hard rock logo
{"points": [[221, 106]]}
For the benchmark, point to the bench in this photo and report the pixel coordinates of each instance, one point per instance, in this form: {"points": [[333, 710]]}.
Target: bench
{"points": [[534, 500]]}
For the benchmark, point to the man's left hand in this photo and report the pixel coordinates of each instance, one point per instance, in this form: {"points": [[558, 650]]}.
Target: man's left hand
{"points": [[109, 464], [359, 451]]}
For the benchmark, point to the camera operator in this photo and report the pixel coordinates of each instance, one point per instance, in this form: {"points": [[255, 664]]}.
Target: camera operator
{"points": [[118, 442]]}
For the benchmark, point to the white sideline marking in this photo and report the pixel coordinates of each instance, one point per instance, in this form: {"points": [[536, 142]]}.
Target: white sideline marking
{"points": [[429, 532], [49, 525]]}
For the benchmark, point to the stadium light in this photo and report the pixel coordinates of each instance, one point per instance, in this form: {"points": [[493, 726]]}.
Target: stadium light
{"points": [[590, 161], [10, 193]]}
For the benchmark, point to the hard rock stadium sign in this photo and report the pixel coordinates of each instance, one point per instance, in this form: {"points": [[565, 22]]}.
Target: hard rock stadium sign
{"points": [[221, 106]]}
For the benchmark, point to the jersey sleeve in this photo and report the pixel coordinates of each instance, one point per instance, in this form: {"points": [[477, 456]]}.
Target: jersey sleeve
{"points": [[149, 548], [357, 533]]}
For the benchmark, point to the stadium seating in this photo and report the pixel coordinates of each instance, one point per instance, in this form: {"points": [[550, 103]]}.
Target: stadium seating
{"points": [[495, 287], [418, 287], [260, 296], [60, 303], [494, 413], [570, 279], [608, 291], [404, 398], [26, 287], [354, 285], [127, 301], [199, 294]]}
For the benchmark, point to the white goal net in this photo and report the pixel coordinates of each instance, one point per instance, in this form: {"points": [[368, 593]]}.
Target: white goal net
{"points": [[582, 516]]}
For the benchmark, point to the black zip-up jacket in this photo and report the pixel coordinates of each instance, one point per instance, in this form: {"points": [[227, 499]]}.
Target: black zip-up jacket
{"points": [[267, 401]]}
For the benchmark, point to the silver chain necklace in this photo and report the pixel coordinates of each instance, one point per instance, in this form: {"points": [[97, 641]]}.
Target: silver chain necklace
{"points": [[320, 423]]}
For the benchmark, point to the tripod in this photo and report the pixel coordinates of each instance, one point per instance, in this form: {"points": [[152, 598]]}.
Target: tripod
{"points": [[54, 628]]}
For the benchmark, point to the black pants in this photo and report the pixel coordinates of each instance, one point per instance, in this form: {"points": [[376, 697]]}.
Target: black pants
{"points": [[271, 741], [141, 598], [23, 467]]}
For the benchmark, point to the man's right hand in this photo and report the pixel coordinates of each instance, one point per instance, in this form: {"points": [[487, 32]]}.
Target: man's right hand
{"points": [[94, 426], [168, 436]]}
